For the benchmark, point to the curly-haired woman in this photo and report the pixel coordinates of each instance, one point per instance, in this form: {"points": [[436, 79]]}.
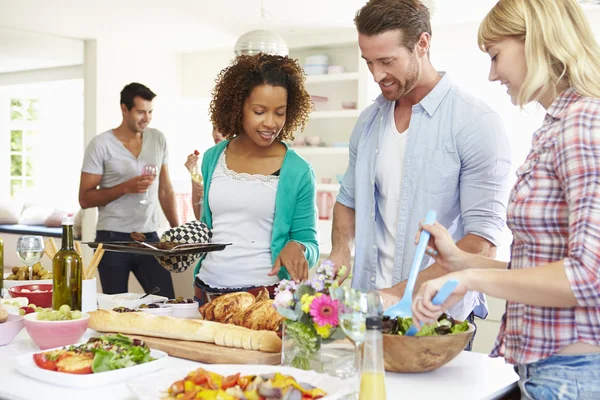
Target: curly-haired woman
{"points": [[259, 194]]}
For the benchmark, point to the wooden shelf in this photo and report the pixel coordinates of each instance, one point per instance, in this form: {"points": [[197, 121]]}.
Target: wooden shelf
{"points": [[343, 77], [307, 150], [334, 114]]}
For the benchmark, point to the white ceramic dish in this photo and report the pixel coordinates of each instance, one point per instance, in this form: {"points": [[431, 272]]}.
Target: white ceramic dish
{"points": [[168, 311], [26, 366], [129, 300], [10, 283], [184, 310], [153, 387]]}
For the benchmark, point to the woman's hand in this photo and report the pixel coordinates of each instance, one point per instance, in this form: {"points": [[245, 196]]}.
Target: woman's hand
{"points": [[293, 259], [441, 247], [423, 310], [192, 160]]}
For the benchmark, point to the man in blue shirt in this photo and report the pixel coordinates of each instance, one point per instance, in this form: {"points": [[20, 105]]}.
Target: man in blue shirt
{"points": [[424, 144]]}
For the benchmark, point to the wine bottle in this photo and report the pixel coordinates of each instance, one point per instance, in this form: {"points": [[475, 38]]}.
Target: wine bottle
{"points": [[67, 271]]}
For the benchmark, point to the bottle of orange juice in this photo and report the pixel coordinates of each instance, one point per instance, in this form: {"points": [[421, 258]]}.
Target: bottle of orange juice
{"points": [[372, 380]]}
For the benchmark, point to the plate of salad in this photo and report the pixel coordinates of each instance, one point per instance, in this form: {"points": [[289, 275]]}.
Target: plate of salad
{"points": [[101, 360]]}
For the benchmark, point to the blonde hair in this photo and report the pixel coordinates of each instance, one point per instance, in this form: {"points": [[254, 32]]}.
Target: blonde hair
{"points": [[560, 48]]}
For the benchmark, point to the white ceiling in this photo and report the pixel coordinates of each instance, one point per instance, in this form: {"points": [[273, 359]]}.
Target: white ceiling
{"points": [[182, 25], [193, 25]]}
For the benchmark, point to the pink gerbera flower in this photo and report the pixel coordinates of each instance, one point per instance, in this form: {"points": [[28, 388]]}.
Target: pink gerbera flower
{"points": [[324, 311]]}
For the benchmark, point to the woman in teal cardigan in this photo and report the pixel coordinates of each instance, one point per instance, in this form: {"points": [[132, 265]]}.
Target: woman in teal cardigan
{"points": [[259, 194]]}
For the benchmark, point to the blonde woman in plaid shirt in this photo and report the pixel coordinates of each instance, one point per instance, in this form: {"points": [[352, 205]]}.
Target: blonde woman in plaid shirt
{"points": [[543, 51]]}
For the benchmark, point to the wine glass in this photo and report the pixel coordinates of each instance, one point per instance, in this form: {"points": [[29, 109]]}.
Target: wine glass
{"points": [[30, 249], [353, 309], [148, 170]]}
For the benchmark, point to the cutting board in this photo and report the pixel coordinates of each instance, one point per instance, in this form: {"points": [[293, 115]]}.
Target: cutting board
{"points": [[209, 353]]}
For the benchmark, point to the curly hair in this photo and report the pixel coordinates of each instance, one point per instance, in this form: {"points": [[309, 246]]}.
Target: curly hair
{"points": [[235, 83]]}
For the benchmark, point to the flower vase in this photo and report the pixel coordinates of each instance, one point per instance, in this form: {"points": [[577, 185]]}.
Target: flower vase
{"points": [[304, 349], [301, 347]]}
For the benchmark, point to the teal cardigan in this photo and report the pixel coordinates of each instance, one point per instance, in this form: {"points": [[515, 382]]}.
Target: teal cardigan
{"points": [[295, 204]]}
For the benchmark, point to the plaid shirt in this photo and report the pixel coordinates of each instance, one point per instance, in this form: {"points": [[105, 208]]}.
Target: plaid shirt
{"points": [[554, 214]]}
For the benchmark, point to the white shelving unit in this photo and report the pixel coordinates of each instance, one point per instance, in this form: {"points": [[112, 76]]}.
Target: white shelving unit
{"points": [[343, 77], [328, 187], [330, 122], [322, 151], [334, 114]]}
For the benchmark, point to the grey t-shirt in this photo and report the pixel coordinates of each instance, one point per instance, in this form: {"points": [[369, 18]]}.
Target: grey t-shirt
{"points": [[106, 156]]}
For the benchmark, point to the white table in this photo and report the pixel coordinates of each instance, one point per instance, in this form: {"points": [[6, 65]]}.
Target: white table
{"points": [[469, 376]]}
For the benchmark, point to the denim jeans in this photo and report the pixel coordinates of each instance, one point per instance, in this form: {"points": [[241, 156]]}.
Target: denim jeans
{"points": [[114, 268], [561, 377]]}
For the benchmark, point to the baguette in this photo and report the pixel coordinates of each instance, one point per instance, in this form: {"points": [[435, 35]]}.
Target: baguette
{"points": [[140, 323]]}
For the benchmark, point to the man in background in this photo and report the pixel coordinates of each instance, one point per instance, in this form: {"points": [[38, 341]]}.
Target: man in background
{"points": [[127, 200]]}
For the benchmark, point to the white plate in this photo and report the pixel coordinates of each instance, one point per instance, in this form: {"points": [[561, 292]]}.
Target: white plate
{"points": [[154, 387], [10, 283], [26, 366]]}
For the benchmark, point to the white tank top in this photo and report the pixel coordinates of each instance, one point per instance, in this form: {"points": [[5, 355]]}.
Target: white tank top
{"points": [[243, 210]]}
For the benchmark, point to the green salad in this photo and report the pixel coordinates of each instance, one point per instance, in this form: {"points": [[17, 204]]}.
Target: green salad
{"points": [[445, 325]]}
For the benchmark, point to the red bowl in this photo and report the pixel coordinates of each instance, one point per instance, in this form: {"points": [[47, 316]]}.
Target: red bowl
{"points": [[51, 334], [40, 299]]}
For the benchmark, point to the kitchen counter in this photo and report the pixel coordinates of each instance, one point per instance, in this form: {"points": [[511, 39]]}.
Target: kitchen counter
{"points": [[469, 376]]}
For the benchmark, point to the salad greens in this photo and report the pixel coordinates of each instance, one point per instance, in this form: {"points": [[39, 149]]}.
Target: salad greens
{"points": [[115, 352], [445, 325]]}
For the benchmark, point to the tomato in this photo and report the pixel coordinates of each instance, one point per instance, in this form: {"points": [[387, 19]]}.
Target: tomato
{"points": [[200, 378], [230, 381], [41, 361]]}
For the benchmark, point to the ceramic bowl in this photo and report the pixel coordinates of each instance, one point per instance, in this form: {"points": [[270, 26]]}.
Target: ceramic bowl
{"points": [[50, 334], [184, 310], [38, 294], [10, 328]]}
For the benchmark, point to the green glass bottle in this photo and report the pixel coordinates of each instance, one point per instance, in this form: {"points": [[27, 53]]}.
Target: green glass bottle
{"points": [[67, 271]]}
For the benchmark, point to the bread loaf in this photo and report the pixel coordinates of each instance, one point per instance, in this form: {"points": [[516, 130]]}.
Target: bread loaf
{"points": [[139, 323]]}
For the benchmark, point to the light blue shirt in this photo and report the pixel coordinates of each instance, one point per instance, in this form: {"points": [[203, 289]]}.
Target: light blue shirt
{"points": [[457, 162]]}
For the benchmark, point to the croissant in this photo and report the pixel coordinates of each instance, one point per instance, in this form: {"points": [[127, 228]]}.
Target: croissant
{"points": [[261, 315], [225, 306]]}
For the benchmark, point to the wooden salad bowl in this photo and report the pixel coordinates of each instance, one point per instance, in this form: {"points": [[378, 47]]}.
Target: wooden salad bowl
{"points": [[425, 353]]}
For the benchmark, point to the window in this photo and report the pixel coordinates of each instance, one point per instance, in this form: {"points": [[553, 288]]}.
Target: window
{"points": [[24, 120]]}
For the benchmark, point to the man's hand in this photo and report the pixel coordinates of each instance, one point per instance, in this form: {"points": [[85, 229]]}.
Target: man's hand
{"points": [[138, 184], [293, 259], [340, 259], [389, 297]]}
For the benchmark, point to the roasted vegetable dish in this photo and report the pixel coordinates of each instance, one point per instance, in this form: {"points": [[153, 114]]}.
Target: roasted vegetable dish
{"points": [[445, 325], [203, 384]]}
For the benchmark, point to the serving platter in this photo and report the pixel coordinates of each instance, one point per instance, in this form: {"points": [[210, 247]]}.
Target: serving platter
{"points": [[154, 386], [181, 249], [26, 366]]}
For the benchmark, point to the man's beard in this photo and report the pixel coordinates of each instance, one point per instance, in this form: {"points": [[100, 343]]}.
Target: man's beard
{"points": [[403, 88]]}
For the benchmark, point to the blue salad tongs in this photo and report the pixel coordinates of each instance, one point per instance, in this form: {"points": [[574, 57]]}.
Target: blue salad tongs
{"points": [[403, 307], [438, 299]]}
